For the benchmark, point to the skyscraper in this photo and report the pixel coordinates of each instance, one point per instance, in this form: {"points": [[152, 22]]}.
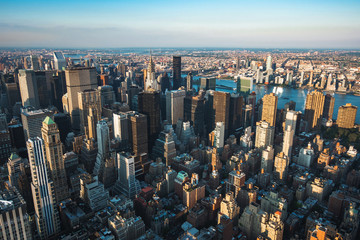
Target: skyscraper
{"points": [[149, 104], [77, 80], [269, 108], [54, 156], [34, 63], [28, 88], [221, 106], [189, 81], [139, 126], [268, 63], [244, 85], [194, 107], [235, 112], [89, 102], [219, 135], [292, 119], [150, 75], [122, 128], [103, 140], [288, 141], [14, 219], [314, 107], [328, 106], [281, 165], [207, 83], [175, 105], [126, 184], [59, 61], [46, 214], [346, 116], [176, 72], [264, 134], [32, 121]]}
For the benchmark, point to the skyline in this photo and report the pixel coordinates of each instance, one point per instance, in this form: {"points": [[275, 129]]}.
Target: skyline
{"points": [[278, 24]]}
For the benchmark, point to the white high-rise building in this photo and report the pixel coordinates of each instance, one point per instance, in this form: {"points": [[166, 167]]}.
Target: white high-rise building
{"points": [[306, 156], [59, 61], [264, 134], [219, 135], [126, 184], [103, 139], [267, 159], [269, 64], [122, 128], [291, 119], [46, 214], [288, 141], [175, 105]]}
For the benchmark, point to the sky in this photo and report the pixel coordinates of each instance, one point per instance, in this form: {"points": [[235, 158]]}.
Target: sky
{"points": [[181, 23]]}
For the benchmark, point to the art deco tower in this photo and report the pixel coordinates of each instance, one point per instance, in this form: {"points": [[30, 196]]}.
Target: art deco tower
{"points": [[54, 156]]}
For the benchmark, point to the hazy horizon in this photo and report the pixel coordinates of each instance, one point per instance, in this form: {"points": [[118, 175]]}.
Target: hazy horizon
{"points": [[183, 24]]}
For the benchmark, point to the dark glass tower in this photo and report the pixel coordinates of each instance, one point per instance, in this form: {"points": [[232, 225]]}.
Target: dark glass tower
{"points": [[176, 72]]}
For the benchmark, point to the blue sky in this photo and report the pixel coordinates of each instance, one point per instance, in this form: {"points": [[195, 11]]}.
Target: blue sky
{"points": [[181, 23]]}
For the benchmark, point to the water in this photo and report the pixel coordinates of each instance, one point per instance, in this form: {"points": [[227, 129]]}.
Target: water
{"points": [[286, 94]]}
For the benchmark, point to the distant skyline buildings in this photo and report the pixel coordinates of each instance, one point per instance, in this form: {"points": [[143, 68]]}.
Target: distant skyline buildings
{"points": [[273, 26]]}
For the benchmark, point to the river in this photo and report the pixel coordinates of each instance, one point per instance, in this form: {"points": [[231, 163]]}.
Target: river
{"points": [[287, 94]]}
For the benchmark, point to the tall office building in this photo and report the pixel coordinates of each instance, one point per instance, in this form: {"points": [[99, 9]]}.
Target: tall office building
{"points": [[90, 111], [122, 128], [268, 63], [292, 118], [244, 85], [281, 165], [103, 140], [346, 116], [46, 214], [288, 141], [28, 89], [328, 106], [194, 107], [221, 107], [189, 82], [235, 112], [35, 88], [264, 134], [269, 108], [314, 107], [77, 80], [175, 105], [177, 72], [267, 159], [58, 89], [34, 63], [219, 135], [93, 192], [207, 83], [126, 184], [59, 61], [54, 156], [14, 219], [139, 126], [32, 121], [149, 104]]}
